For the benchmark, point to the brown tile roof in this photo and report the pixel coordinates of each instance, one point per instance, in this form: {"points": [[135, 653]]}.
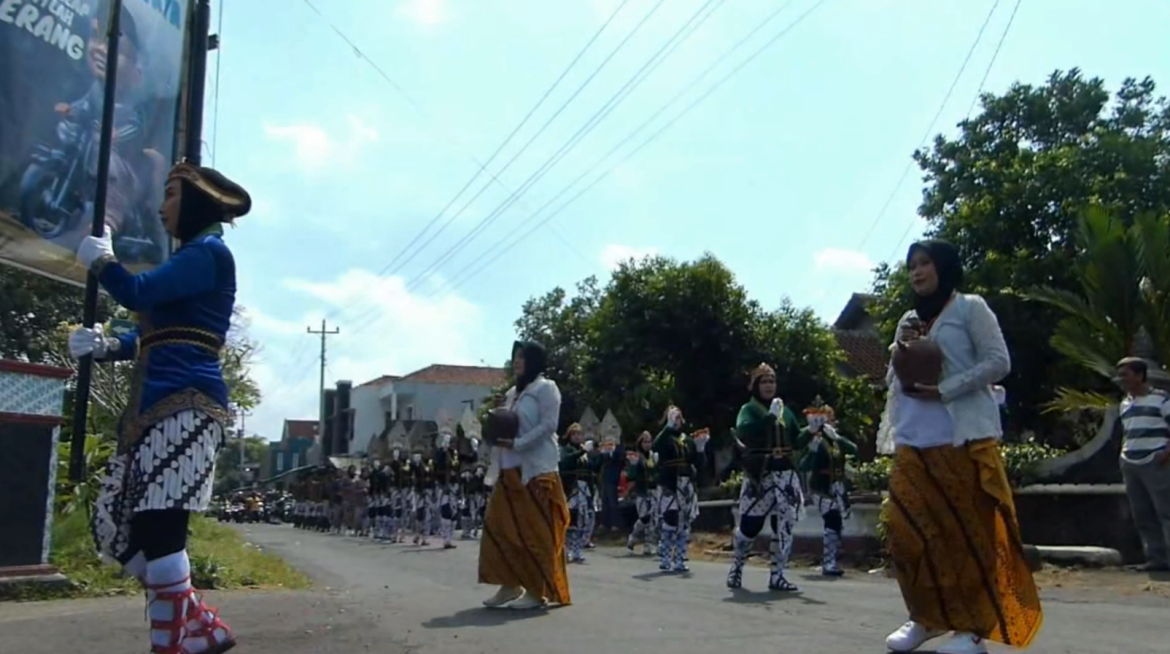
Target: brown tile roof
{"points": [[855, 310], [384, 379], [300, 429], [864, 353], [444, 374]]}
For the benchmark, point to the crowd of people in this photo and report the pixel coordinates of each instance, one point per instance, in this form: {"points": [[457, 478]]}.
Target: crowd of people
{"points": [[951, 528]]}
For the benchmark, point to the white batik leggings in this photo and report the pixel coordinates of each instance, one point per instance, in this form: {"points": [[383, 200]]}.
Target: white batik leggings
{"points": [[446, 508], [775, 500], [677, 510], [582, 517], [834, 508], [646, 527], [471, 513]]}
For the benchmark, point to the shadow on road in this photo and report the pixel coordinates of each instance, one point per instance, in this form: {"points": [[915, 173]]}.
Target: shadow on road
{"points": [[745, 596], [483, 617]]}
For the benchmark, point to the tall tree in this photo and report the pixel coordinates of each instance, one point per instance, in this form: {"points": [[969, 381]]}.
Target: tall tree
{"points": [[1008, 190], [31, 307]]}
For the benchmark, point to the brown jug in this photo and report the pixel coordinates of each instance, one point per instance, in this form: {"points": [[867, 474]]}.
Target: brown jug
{"points": [[918, 362], [500, 425]]}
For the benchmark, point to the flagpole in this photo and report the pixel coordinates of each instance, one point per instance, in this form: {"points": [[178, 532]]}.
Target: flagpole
{"points": [[89, 309]]}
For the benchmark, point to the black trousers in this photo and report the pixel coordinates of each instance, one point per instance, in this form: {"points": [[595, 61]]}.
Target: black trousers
{"points": [[158, 533]]}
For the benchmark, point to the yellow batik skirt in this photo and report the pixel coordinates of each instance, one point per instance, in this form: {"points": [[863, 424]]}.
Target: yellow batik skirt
{"points": [[523, 542], [955, 544]]}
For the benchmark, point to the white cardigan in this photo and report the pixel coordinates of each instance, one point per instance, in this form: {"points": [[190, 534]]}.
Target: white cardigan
{"points": [[539, 410], [975, 356]]}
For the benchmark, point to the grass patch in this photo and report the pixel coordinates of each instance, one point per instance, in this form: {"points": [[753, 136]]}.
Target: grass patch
{"points": [[220, 560]]}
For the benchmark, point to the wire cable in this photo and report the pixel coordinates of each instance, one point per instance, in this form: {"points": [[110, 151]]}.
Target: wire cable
{"points": [[714, 87], [215, 105]]}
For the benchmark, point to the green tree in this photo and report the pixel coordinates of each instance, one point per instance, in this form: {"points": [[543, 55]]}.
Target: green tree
{"points": [[228, 466], [1120, 307], [31, 308], [1008, 190]]}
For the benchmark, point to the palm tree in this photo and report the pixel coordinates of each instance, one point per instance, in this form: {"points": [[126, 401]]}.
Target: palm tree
{"points": [[1123, 306]]}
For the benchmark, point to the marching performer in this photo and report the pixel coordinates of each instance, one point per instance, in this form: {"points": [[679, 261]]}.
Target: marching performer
{"points": [[447, 462], [767, 435], [178, 410], [471, 508], [400, 490], [574, 470], [423, 483], [642, 475], [825, 463]]}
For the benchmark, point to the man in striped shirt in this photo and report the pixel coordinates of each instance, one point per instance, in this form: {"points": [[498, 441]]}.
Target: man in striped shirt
{"points": [[1145, 460]]}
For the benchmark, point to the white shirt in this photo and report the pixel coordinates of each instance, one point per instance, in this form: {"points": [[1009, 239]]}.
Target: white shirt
{"points": [[535, 449], [975, 356]]}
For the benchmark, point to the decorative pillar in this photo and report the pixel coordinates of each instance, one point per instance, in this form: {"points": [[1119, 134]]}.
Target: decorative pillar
{"points": [[32, 399]]}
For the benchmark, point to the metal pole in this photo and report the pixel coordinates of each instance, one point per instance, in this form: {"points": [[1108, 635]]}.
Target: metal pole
{"points": [[200, 44], [97, 228], [324, 333]]}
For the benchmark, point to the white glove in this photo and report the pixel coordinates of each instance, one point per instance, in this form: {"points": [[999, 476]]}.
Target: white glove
{"points": [[588, 446], [701, 442], [829, 431], [444, 441], [85, 341], [674, 417], [395, 454], [93, 248], [654, 457], [475, 445], [777, 407], [416, 458]]}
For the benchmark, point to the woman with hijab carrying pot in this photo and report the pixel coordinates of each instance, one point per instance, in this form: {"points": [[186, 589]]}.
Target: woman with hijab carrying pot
{"points": [[522, 549], [953, 535]]}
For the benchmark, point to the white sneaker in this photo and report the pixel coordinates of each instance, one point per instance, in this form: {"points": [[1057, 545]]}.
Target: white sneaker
{"points": [[504, 595], [528, 602], [910, 637], [962, 644]]}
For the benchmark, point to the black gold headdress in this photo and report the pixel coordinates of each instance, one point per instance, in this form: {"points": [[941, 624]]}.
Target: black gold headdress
{"points": [[230, 196], [760, 371]]}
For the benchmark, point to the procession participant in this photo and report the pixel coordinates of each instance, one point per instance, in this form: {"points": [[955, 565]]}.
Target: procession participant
{"points": [[400, 490], [671, 449], [447, 462], [523, 546], [590, 522], [423, 485], [767, 435], [688, 487], [642, 476], [375, 513], [179, 402], [361, 503], [472, 488], [574, 472], [953, 535], [825, 464]]}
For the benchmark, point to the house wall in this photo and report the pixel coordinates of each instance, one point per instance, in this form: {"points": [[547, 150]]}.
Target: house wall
{"points": [[371, 404]]}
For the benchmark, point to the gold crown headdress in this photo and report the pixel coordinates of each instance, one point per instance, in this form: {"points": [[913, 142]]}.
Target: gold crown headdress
{"points": [[760, 371]]}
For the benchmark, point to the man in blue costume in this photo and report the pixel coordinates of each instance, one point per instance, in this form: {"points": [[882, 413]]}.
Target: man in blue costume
{"points": [[175, 420]]}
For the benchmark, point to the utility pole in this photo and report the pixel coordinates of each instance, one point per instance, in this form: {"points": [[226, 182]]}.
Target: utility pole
{"points": [[324, 334], [243, 414]]}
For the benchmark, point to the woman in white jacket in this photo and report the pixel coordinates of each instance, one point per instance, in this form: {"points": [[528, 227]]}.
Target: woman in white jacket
{"points": [[522, 549], [951, 526]]}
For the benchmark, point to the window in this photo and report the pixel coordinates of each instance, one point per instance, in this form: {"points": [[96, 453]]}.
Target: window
{"points": [[296, 460], [410, 413], [280, 461]]}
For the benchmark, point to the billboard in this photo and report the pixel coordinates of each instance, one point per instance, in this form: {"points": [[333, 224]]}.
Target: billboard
{"points": [[52, 74]]}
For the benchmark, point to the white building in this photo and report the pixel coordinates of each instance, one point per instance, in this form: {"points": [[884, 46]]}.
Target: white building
{"points": [[421, 395]]}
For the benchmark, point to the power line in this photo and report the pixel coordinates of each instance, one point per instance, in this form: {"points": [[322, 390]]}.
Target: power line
{"points": [[631, 84], [324, 334], [925, 138], [482, 167], [978, 93], [215, 105], [499, 252]]}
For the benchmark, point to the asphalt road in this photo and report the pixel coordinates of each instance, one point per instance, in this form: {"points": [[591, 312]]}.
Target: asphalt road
{"points": [[400, 598]]}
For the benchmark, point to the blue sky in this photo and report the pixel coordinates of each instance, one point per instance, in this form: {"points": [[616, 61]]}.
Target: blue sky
{"points": [[780, 173]]}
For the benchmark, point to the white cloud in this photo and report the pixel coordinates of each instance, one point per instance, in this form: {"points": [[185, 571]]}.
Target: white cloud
{"points": [[838, 260], [384, 330], [614, 255], [314, 148], [426, 13]]}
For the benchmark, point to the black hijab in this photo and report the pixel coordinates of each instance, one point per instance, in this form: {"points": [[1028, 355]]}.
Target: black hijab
{"points": [[949, 268], [535, 362]]}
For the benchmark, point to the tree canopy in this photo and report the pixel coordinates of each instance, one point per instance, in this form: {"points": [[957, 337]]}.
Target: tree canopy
{"points": [[1008, 191], [663, 331]]}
